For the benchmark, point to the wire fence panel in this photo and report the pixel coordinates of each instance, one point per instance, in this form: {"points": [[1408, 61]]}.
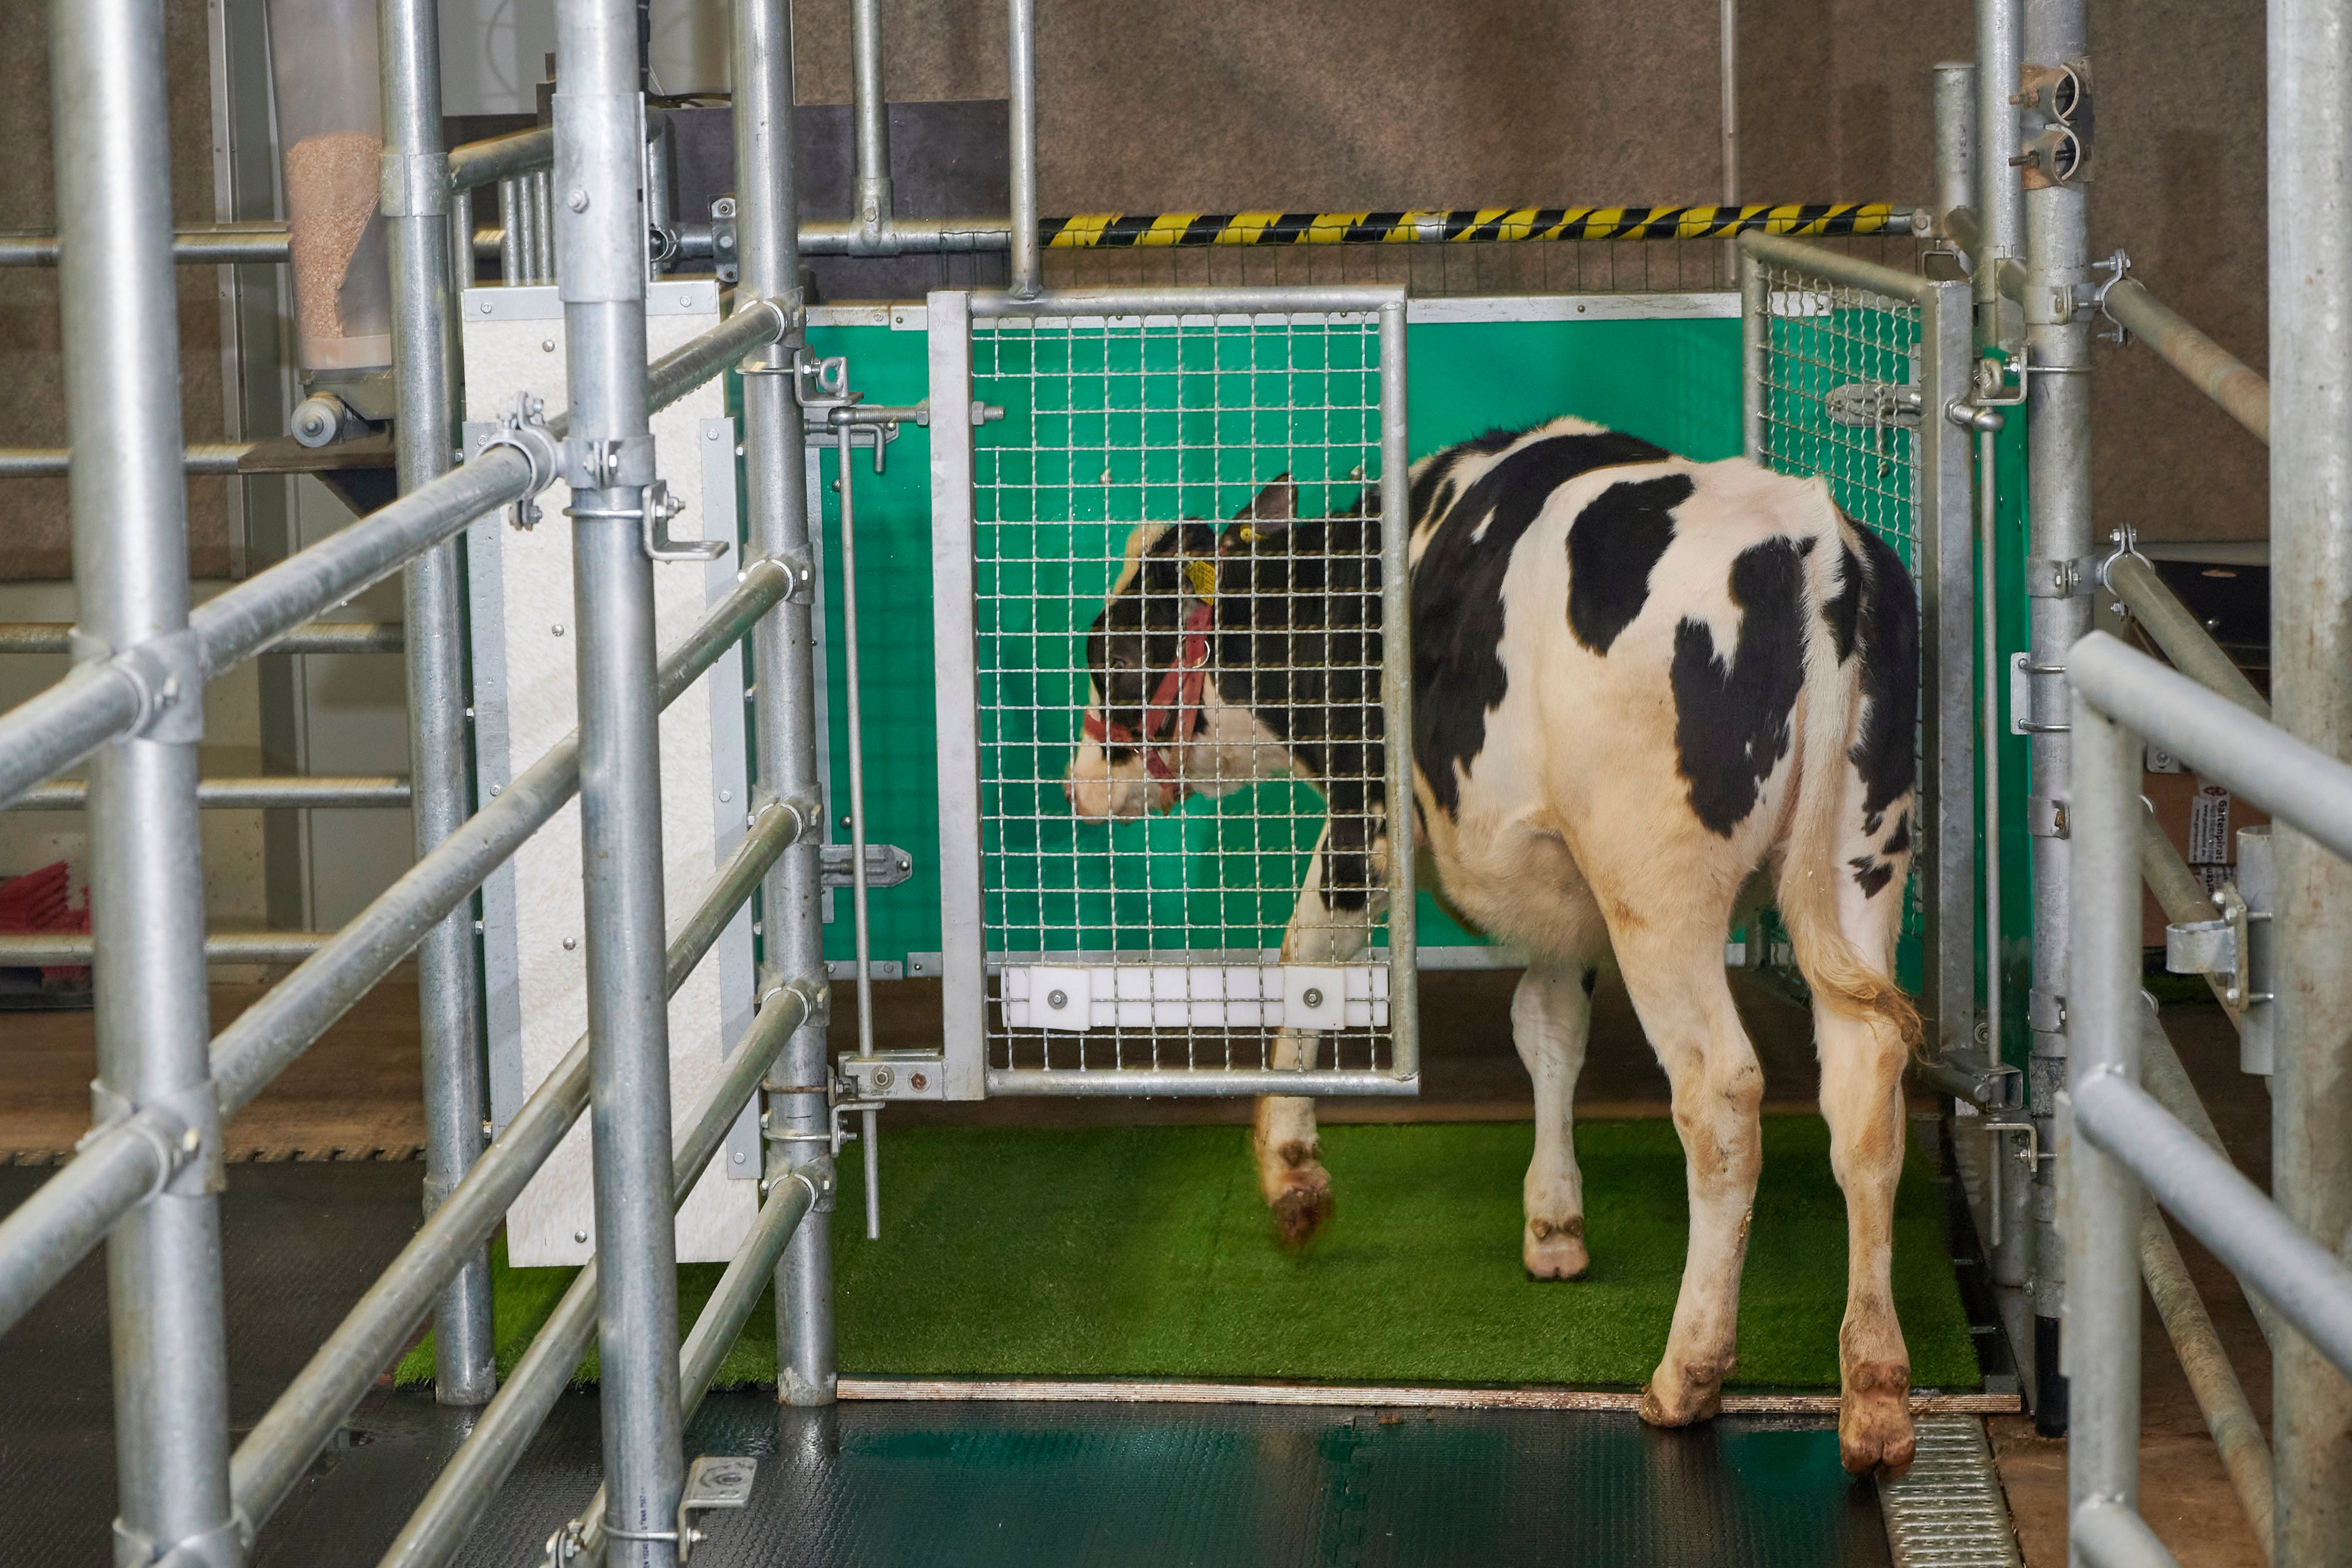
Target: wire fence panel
{"points": [[1850, 370], [1178, 584]]}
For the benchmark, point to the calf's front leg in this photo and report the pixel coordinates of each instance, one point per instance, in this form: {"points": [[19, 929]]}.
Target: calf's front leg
{"points": [[1283, 1141]]}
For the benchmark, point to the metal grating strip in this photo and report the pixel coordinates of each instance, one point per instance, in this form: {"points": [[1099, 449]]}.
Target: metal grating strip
{"points": [[1948, 1511]]}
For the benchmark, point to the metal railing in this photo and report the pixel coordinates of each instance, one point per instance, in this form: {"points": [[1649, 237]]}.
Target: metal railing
{"points": [[2123, 1142], [150, 1173]]}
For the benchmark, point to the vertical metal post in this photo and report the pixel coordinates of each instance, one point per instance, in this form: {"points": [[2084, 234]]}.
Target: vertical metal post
{"points": [[1945, 558], [2311, 697], [1396, 679], [118, 307], [415, 198], [2058, 529], [1956, 138], [873, 120], [799, 1120], [1021, 158], [600, 232], [1755, 361], [2102, 1347], [2001, 206], [859, 895], [512, 246], [964, 973], [1730, 102]]}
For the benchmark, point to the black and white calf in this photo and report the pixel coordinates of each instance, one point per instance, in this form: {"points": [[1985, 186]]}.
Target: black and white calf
{"points": [[1639, 683]]}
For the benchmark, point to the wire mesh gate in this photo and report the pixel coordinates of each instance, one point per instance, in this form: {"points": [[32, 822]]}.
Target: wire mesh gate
{"points": [[1849, 369], [1232, 465]]}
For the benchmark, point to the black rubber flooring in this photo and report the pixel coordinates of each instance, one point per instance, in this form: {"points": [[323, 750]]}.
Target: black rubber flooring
{"points": [[868, 1485]]}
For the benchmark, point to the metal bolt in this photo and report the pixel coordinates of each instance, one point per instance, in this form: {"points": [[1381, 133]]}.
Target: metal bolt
{"points": [[578, 1235], [577, 201], [547, 344], [1057, 1000], [726, 795], [884, 1078], [1314, 997], [572, 942], [920, 1080], [738, 1156], [559, 628]]}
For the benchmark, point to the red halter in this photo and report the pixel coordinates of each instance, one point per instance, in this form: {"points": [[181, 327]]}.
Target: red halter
{"points": [[1171, 713]]}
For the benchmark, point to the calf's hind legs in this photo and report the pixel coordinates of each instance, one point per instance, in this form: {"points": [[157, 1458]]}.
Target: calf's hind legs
{"points": [[1551, 1016]]}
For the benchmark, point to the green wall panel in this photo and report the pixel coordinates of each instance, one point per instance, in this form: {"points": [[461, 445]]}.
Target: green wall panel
{"points": [[1672, 382]]}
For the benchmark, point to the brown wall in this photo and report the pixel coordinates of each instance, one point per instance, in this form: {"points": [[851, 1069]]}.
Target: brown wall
{"points": [[1210, 104]]}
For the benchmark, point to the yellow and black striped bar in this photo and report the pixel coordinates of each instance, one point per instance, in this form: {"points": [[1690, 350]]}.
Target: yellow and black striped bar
{"points": [[1140, 231]]}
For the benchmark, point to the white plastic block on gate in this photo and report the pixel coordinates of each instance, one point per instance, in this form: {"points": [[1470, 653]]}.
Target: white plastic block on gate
{"points": [[1044, 996], [1368, 997], [525, 633], [1314, 997]]}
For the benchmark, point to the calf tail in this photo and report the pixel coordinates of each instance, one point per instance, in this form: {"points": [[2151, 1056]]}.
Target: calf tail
{"points": [[1842, 976]]}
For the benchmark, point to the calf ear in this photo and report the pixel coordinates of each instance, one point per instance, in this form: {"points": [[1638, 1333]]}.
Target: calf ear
{"points": [[1277, 503]]}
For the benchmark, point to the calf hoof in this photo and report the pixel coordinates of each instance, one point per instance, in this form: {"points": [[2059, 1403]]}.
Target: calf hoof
{"points": [[1874, 1433], [1554, 1251], [1679, 1397], [1303, 1206]]}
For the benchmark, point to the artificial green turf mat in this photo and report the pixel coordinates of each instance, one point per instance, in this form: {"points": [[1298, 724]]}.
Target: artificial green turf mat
{"points": [[1147, 1252]]}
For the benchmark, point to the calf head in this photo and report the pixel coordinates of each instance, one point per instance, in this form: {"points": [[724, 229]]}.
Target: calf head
{"points": [[1162, 722]]}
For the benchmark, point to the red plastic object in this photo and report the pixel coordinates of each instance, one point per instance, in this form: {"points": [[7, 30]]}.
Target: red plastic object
{"points": [[42, 901]]}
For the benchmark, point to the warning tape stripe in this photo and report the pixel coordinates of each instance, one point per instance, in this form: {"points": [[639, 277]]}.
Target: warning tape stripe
{"points": [[1134, 231]]}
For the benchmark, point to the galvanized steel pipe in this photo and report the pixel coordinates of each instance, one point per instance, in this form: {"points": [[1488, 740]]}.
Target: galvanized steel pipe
{"points": [[466, 1485], [2178, 633], [41, 462], [2211, 368], [783, 712], [2309, 106], [118, 307], [273, 1459], [206, 245], [500, 157]]}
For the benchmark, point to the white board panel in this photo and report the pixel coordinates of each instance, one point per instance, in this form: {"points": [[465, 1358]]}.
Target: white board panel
{"points": [[526, 630]]}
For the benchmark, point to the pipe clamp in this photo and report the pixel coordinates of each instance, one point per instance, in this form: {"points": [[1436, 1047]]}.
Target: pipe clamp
{"points": [[414, 184], [168, 672], [525, 429]]}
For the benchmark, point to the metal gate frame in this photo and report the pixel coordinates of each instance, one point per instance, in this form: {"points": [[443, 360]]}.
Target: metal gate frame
{"points": [[963, 958], [1942, 565]]}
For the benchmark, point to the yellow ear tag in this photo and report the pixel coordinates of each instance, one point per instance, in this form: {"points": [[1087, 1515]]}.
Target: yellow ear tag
{"points": [[1202, 576]]}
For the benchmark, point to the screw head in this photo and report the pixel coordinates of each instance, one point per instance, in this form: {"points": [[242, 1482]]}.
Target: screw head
{"points": [[578, 1235], [577, 201], [1057, 1000], [1314, 997], [558, 628], [920, 1080], [547, 345], [884, 1078], [570, 942]]}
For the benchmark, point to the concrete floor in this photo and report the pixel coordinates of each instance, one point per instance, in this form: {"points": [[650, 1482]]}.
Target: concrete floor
{"points": [[355, 1096]]}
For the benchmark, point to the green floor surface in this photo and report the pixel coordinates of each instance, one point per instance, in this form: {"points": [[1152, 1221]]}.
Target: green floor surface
{"points": [[1147, 1252]]}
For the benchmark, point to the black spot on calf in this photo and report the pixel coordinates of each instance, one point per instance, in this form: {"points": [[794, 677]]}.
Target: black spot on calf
{"points": [[1731, 720], [1887, 632], [1841, 611], [1611, 547], [1457, 591]]}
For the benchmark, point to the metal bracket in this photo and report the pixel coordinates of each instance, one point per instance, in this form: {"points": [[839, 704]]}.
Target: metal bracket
{"points": [[714, 1481], [887, 866], [524, 428], [168, 672], [1869, 403], [622, 463], [2045, 817], [1981, 1082], [189, 1147], [660, 507], [2117, 268], [2054, 577], [2030, 1159], [725, 257], [897, 1075]]}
